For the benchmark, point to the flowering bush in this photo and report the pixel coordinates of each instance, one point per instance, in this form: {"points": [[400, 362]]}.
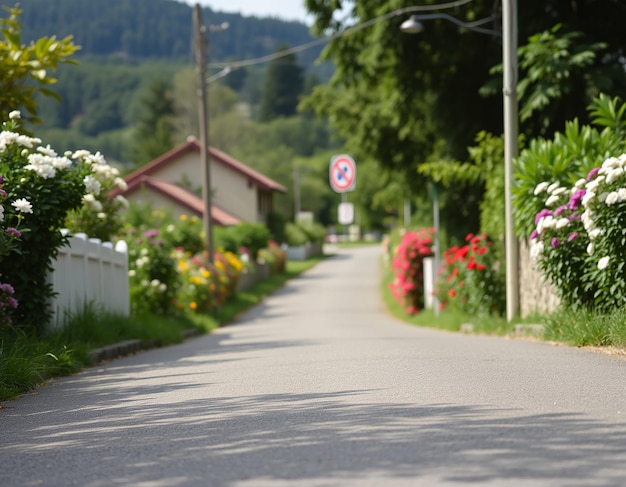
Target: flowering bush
{"points": [[7, 304], [187, 233], [408, 263], [99, 215], [206, 286], [153, 276], [579, 240], [470, 278], [275, 256], [45, 187]]}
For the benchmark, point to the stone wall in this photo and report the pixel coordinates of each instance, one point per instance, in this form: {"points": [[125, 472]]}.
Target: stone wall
{"points": [[536, 295]]}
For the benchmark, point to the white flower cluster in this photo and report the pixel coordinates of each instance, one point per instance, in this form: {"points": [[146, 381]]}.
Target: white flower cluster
{"points": [[604, 186]]}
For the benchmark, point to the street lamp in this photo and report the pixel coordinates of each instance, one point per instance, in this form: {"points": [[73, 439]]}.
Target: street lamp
{"points": [[509, 92]]}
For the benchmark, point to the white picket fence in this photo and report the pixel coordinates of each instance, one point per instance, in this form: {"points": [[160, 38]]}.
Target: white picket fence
{"points": [[90, 272]]}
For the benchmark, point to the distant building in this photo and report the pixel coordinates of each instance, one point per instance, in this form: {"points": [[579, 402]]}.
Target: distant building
{"points": [[174, 181]]}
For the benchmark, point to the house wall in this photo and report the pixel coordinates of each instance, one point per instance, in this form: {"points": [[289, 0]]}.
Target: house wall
{"points": [[230, 189], [157, 200]]}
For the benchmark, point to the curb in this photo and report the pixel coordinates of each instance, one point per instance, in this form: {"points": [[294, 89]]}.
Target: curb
{"points": [[128, 347]]}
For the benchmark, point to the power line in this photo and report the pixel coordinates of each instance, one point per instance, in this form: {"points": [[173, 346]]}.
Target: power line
{"points": [[349, 30]]}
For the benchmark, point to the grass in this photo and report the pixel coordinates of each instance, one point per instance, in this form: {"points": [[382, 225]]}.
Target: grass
{"points": [[27, 360], [578, 328]]}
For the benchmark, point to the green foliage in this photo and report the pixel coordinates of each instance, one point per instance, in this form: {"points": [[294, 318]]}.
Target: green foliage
{"points": [[283, 86], [302, 233], [153, 132], [251, 236], [566, 158], [472, 279], [557, 75], [100, 215], [24, 68], [48, 187], [580, 242], [153, 276], [275, 256]]}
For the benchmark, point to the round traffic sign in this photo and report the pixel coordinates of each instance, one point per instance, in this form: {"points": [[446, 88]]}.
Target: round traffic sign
{"points": [[342, 173]]}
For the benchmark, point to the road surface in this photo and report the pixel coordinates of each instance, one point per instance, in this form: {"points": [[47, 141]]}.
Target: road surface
{"points": [[318, 386]]}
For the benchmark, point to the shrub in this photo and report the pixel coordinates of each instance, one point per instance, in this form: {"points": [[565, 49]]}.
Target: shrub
{"points": [[99, 216], [153, 277], [44, 187], [275, 256], [579, 240], [408, 263], [471, 279], [252, 236]]}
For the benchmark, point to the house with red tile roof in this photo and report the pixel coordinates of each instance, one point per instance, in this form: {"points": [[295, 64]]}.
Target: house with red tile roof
{"points": [[174, 182]]}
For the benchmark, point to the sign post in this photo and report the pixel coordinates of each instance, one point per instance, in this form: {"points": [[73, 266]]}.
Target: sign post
{"points": [[342, 175]]}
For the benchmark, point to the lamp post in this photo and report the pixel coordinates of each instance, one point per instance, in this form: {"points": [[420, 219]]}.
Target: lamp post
{"points": [[509, 93]]}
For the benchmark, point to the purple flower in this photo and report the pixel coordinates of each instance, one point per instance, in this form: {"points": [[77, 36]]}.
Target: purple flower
{"points": [[541, 214], [7, 288], [576, 199], [533, 235], [555, 243], [14, 232], [592, 173], [560, 210], [572, 236], [12, 302], [151, 233]]}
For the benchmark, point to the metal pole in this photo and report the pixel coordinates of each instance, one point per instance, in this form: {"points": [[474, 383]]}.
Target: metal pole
{"points": [[509, 64], [436, 242], [296, 191], [201, 62]]}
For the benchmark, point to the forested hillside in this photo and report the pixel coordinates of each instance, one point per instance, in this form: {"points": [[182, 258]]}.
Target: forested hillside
{"points": [[157, 29]]}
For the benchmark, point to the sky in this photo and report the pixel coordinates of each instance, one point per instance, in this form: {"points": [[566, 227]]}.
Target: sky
{"points": [[283, 9]]}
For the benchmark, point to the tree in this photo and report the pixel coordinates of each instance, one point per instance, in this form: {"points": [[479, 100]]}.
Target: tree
{"points": [[24, 68], [283, 86], [153, 133]]}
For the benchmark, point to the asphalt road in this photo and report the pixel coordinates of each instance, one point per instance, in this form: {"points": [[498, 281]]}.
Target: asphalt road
{"points": [[318, 386]]}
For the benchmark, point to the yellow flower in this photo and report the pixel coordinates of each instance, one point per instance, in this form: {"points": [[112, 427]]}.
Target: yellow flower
{"points": [[193, 305], [206, 274], [183, 218]]}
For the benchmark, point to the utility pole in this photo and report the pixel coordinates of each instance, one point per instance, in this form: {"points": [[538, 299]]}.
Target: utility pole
{"points": [[201, 62]]}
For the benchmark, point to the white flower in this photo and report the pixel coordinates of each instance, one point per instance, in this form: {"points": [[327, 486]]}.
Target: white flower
{"points": [[1, 213], [595, 233], [589, 195], [559, 191], [610, 163], [120, 183], [536, 249], [155, 283], [123, 201], [163, 287], [612, 198], [15, 114], [614, 174], [552, 187], [23, 205], [47, 151], [562, 223], [603, 263], [579, 184], [591, 248], [81, 154], [102, 216], [132, 273], [170, 228], [541, 187], [552, 200], [92, 185]]}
